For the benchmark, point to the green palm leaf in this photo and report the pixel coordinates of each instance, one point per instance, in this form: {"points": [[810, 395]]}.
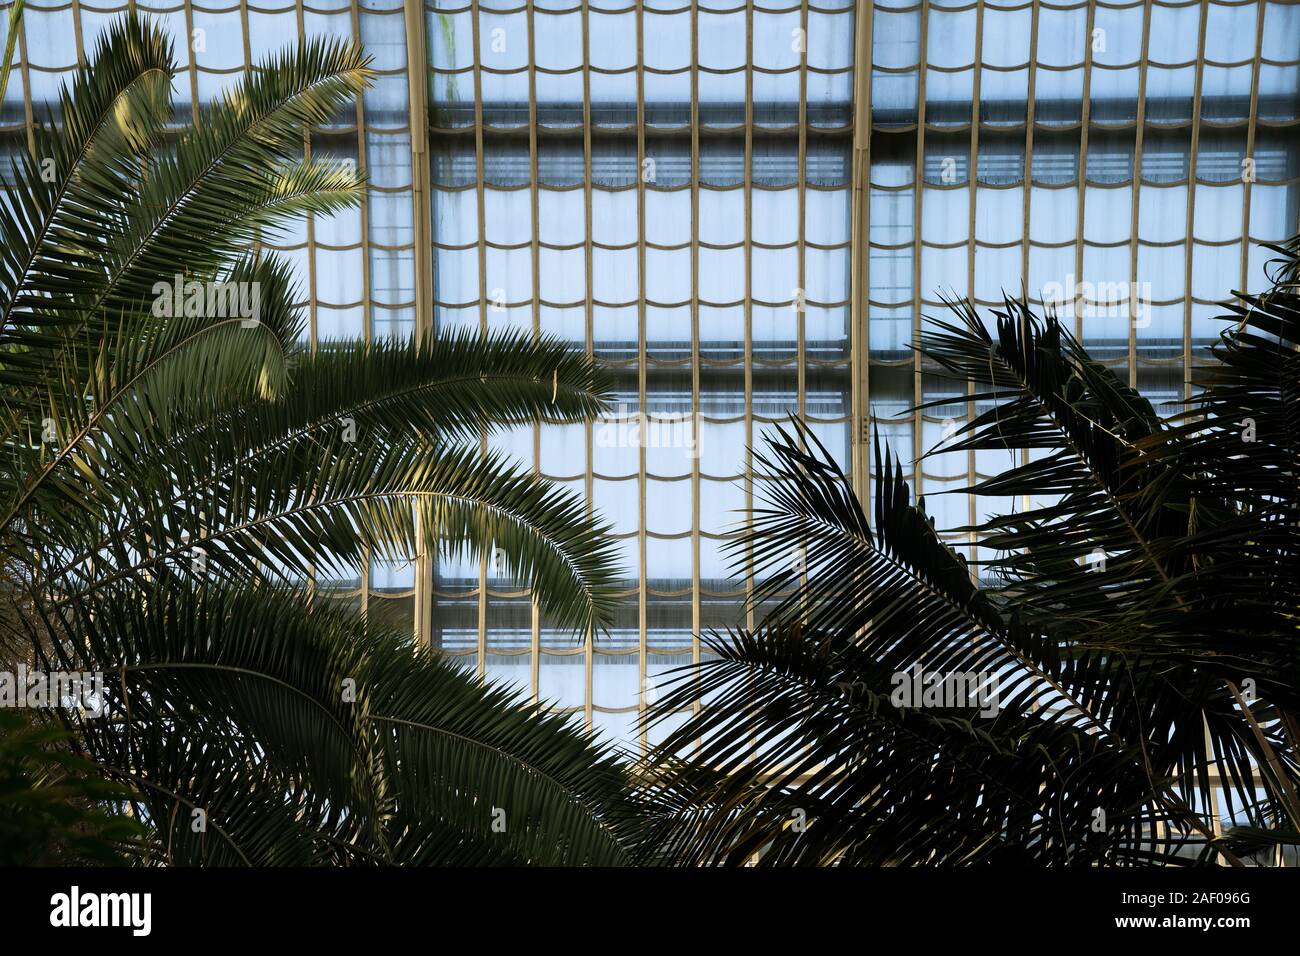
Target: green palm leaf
{"points": [[250, 722]]}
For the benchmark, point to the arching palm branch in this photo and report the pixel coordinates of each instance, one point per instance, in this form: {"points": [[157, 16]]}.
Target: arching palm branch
{"points": [[1138, 623], [173, 477]]}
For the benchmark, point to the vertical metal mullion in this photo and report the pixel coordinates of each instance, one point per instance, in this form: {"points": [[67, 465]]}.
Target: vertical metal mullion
{"points": [[256, 246], [748, 308], [1187, 295], [801, 250], [366, 331], [312, 304], [697, 423], [860, 251], [1028, 175], [299, 23], [482, 299], [535, 625], [1027, 178], [79, 34], [972, 182], [421, 217], [1190, 255], [918, 181], [1085, 120], [801, 235], [642, 359], [417, 82], [1251, 126], [1139, 142], [248, 46], [1191, 202], [589, 318], [25, 70], [192, 67]]}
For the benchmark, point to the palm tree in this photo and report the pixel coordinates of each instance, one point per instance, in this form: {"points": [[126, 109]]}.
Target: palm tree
{"points": [[1127, 645], [174, 478]]}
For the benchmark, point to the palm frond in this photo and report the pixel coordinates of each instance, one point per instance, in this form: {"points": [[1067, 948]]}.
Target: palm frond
{"points": [[297, 734], [803, 721], [250, 721], [54, 218]]}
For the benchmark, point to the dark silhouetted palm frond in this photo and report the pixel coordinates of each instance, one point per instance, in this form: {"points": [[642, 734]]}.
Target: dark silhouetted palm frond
{"points": [[1132, 629]]}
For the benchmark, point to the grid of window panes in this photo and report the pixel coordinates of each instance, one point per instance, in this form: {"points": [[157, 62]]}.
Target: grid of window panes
{"points": [[667, 186], [355, 269], [1134, 154], [712, 201]]}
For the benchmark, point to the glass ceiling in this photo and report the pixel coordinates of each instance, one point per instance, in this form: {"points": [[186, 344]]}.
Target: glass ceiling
{"points": [[745, 211]]}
